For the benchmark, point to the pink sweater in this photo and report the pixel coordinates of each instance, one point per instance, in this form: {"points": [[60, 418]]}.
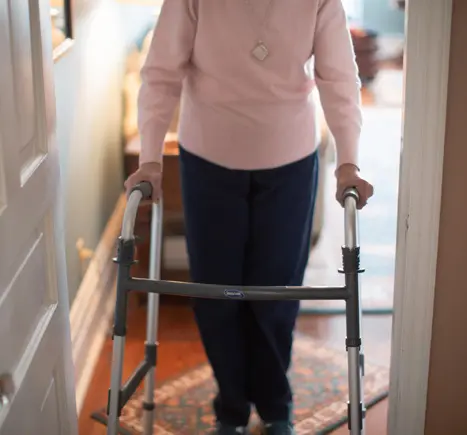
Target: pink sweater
{"points": [[238, 111]]}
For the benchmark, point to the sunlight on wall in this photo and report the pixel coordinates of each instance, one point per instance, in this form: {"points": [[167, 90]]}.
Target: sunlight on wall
{"points": [[88, 91], [383, 16], [354, 10]]}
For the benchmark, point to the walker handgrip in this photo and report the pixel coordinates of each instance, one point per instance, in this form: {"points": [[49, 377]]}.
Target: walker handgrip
{"points": [[351, 192], [141, 191], [145, 187], [351, 198]]}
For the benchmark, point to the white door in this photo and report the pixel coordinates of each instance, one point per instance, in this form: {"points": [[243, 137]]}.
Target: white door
{"points": [[35, 344]]}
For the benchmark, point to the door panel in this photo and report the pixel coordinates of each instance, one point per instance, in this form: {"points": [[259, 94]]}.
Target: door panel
{"points": [[23, 71], [28, 95], [24, 209], [25, 302], [50, 411], [35, 344], [34, 403], [2, 179]]}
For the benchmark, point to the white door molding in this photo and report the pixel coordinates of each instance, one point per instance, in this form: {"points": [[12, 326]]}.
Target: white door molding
{"points": [[428, 35]]}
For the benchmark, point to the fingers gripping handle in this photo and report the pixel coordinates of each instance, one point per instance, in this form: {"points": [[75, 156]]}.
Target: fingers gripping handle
{"points": [[139, 192], [350, 218]]}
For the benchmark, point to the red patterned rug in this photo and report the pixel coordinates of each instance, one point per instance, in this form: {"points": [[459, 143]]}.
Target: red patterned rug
{"points": [[318, 375]]}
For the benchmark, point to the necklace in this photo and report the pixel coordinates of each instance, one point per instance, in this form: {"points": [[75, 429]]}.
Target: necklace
{"points": [[260, 51]]}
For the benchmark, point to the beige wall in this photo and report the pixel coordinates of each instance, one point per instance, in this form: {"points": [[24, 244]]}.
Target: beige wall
{"points": [[447, 388], [88, 89], [87, 83]]}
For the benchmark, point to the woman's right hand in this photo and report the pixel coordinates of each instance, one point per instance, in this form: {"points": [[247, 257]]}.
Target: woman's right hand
{"points": [[150, 172]]}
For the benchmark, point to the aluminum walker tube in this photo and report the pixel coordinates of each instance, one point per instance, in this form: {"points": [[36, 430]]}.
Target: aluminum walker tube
{"points": [[124, 259], [351, 269], [152, 316]]}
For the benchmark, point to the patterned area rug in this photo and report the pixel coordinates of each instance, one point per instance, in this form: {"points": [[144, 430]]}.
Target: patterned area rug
{"points": [[318, 375], [379, 156]]}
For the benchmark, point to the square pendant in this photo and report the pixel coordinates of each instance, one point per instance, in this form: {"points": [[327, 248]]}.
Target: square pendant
{"points": [[260, 52]]}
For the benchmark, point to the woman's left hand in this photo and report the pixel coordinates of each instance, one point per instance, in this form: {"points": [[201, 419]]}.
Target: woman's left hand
{"points": [[348, 176]]}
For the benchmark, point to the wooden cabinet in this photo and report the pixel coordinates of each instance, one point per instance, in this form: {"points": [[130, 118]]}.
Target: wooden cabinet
{"points": [[366, 48]]}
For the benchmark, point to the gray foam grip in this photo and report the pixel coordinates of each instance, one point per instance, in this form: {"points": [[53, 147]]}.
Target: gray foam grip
{"points": [[145, 188]]}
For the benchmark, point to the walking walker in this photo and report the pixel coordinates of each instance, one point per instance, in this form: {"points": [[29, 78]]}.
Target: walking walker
{"points": [[119, 395]]}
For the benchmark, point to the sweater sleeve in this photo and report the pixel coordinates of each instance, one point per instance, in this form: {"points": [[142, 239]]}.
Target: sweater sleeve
{"points": [[162, 75], [336, 76]]}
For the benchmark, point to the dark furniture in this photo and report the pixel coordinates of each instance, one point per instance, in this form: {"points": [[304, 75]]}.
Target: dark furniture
{"points": [[366, 48]]}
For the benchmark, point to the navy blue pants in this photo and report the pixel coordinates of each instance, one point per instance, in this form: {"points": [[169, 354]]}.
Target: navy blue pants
{"points": [[248, 228]]}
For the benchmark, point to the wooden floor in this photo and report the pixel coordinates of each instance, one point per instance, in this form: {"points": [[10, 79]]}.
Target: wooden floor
{"points": [[180, 349]]}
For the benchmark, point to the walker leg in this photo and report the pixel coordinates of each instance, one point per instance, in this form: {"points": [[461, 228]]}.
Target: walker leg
{"points": [[152, 318], [356, 406], [125, 259], [353, 311], [149, 384], [115, 385]]}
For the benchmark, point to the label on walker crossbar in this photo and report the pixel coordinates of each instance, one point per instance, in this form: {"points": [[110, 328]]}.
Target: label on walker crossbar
{"points": [[233, 294]]}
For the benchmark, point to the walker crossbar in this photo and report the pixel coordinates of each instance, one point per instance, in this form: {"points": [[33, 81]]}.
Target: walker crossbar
{"points": [[119, 396], [241, 293]]}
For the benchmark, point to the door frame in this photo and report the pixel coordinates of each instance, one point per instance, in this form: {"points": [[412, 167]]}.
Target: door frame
{"points": [[426, 60], [426, 70]]}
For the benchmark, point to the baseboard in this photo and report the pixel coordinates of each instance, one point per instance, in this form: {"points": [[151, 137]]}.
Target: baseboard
{"points": [[92, 309]]}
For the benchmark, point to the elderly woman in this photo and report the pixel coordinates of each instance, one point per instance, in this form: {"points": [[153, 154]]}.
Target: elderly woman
{"points": [[249, 170]]}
